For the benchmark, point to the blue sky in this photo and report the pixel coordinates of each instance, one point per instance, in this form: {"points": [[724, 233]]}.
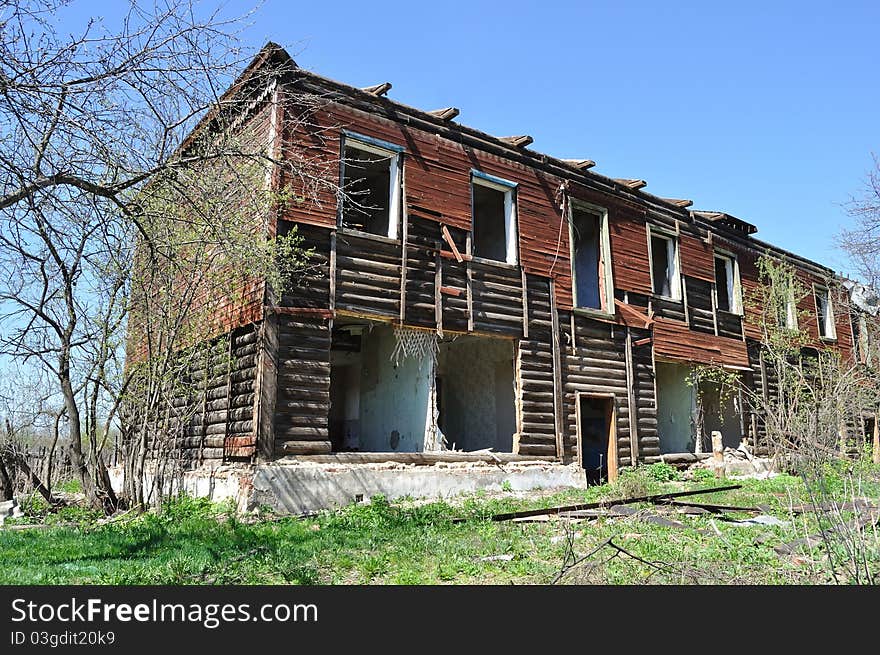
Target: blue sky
{"points": [[765, 110]]}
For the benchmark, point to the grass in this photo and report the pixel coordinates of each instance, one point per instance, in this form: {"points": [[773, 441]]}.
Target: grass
{"points": [[192, 541]]}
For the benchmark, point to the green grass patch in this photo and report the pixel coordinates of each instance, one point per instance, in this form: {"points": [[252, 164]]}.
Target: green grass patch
{"points": [[193, 541]]}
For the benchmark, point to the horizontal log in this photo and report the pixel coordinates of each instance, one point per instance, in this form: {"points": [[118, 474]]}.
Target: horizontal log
{"points": [[302, 447], [547, 450], [302, 432], [420, 459]]}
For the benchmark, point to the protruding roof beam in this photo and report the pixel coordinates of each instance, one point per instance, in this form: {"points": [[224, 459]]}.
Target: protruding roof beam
{"points": [[520, 141], [632, 184], [378, 89], [679, 202], [445, 114], [726, 220], [580, 164]]}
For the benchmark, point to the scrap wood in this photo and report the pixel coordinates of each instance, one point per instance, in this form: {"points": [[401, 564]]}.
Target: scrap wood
{"points": [[715, 509], [859, 503], [602, 504], [813, 540]]}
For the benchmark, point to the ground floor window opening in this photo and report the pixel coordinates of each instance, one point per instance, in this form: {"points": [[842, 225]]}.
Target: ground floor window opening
{"points": [[687, 408], [396, 389]]}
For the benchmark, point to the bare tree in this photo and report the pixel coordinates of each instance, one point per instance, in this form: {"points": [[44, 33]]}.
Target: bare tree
{"points": [[812, 421], [98, 168], [862, 242]]}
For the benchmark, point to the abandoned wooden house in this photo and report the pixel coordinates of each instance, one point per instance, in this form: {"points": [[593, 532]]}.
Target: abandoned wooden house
{"points": [[472, 299]]}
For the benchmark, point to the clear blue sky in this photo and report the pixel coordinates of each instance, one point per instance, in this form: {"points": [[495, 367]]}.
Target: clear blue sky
{"points": [[765, 110]]}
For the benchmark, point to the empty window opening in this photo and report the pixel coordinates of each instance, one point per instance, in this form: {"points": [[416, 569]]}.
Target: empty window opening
{"points": [[493, 221], [676, 404], [685, 411], [726, 284], [719, 414], [869, 431], [375, 405], [825, 314], [664, 266], [370, 188], [589, 236], [474, 394], [595, 437], [786, 312]]}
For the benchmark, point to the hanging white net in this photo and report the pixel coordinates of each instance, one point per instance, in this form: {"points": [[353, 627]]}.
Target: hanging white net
{"points": [[415, 343]]}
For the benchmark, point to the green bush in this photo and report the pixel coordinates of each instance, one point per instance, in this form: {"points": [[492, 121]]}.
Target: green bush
{"points": [[663, 472], [702, 475]]}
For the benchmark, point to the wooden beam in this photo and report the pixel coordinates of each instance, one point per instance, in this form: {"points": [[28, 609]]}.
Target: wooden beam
{"points": [[628, 312], [333, 270], [557, 373], [438, 298], [231, 334], [303, 311], [876, 446], [445, 114], [525, 302], [378, 89], [631, 184], [404, 243], [448, 254], [679, 202], [520, 141], [266, 387], [580, 164], [631, 400], [448, 238], [470, 282], [422, 459], [605, 503]]}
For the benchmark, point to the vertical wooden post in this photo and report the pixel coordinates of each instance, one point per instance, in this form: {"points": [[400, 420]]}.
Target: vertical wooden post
{"points": [[266, 387], [438, 297], [470, 279], [332, 272], [631, 400], [231, 336], [204, 433], [718, 454], [403, 257], [557, 373], [876, 447], [612, 442], [525, 303]]}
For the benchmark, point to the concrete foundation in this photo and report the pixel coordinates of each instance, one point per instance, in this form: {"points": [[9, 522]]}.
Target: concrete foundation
{"points": [[295, 487]]}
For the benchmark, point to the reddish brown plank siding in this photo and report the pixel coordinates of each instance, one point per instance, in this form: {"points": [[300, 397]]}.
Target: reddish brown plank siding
{"points": [[697, 258], [629, 253], [674, 340]]}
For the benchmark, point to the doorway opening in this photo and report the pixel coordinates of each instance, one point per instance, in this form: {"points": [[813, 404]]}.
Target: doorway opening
{"points": [[597, 437]]}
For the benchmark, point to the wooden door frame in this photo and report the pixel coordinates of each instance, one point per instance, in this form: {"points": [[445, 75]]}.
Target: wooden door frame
{"points": [[612, 429]]}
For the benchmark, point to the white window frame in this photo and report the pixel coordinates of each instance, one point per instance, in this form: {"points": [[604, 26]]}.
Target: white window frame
{"points": [[830, 334], [607, 281], [734, 285], [672, 248], [376, 147], [791, 321], [508, 188]]}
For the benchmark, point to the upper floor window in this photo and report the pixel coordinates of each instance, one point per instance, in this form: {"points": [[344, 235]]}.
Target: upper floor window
{"points": [[727, 284], [494, 218], [590, 257], [825, 314], [786, 312], [664, 265], [370, 186]]}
